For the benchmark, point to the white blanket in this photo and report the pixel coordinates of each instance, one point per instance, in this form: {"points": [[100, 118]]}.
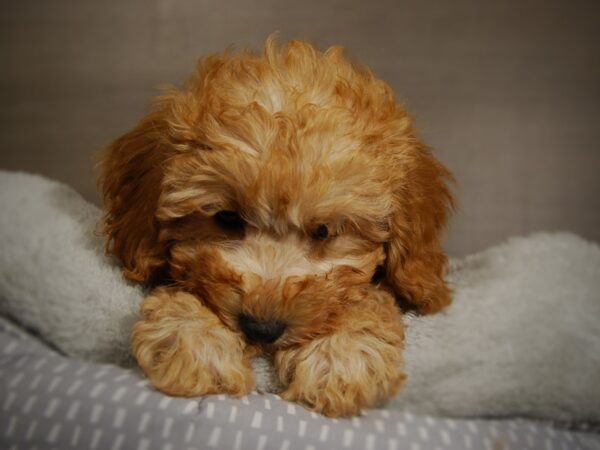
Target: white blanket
{"points": [[521, 338]]}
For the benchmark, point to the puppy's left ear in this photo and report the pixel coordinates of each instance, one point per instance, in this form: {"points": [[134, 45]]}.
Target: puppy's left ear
{"points": [[416, 263], [132, 172]]}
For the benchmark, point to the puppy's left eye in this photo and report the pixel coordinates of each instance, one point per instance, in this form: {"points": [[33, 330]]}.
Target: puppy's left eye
{"points": [[231, 220], [320, 232]]}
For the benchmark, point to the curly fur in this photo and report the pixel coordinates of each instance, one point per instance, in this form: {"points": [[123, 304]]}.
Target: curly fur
{"points": [[292, 139]]}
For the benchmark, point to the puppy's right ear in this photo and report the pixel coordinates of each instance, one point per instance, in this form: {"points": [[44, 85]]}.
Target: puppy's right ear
{"points": [[130, 182]]}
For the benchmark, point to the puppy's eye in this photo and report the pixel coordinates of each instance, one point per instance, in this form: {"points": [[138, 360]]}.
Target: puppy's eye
{"points": [[378, 275], [320, 233], [230, 220]]}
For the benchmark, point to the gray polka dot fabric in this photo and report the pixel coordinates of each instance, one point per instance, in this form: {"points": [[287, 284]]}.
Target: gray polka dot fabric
{"points": [[50, 402]]}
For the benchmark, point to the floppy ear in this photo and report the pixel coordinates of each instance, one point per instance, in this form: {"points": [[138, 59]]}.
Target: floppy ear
{"points": [[130, 181], [416, 263]]}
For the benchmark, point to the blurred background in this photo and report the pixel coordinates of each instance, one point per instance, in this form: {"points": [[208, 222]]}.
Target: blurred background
{"points": [[506, 92]]}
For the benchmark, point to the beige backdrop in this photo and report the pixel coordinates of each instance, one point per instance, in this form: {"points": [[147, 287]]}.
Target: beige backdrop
{"points": [[507, 92]]}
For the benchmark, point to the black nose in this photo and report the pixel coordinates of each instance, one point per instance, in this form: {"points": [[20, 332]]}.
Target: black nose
{"points": [[261, 332]]}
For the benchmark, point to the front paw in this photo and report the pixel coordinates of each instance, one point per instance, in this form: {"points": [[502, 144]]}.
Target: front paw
{"points": [[185, 350], [341, 374]]}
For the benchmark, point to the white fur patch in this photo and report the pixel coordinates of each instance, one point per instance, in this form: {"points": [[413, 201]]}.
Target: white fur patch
{"points": [[271, 98], [272, 258], [242, 146]]}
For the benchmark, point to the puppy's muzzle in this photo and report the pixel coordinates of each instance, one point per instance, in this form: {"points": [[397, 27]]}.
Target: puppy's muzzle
{"points": [[261, 332]]}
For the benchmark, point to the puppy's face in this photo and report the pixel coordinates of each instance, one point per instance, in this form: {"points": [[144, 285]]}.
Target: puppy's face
{"points": [[272, 187], [277, 235]]}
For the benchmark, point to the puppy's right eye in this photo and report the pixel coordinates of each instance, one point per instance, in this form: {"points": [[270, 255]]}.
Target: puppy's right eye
{"points": [[230, 220], [320, 233]]}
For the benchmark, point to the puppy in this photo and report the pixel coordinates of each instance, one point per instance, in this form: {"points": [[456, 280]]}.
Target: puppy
{"points": [[260, 201]]}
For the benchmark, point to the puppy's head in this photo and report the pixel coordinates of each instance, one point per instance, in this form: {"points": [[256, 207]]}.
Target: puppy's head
{"points": [[274, 186]]}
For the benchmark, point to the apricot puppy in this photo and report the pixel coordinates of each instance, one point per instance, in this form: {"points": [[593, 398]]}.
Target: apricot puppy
{"points": [[260, 200]]}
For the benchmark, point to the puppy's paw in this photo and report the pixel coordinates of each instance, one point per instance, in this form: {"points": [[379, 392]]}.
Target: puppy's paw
{"points": [[341, 374], [185, 350]]}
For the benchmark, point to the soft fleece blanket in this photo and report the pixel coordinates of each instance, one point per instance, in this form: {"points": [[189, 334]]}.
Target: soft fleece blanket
{"points": [[521, 338]]}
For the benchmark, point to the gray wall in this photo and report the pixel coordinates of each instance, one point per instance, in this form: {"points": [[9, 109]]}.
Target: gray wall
{"points": [[507, 92]]}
